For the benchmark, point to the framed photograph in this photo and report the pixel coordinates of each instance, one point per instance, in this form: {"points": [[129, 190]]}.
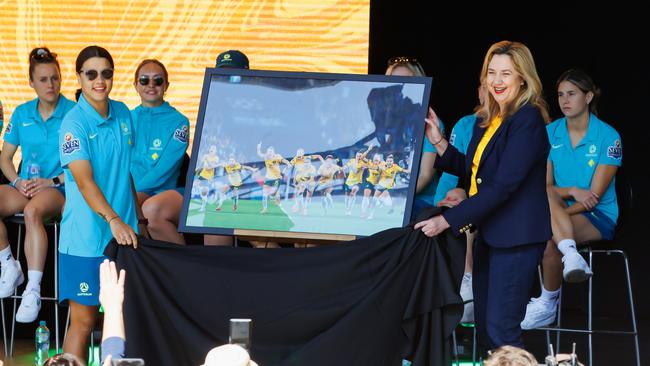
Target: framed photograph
{"points": [[304, 155]]}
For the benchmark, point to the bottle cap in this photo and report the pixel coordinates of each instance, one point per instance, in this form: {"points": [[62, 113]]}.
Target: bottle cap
{"points": [[42, 323]]}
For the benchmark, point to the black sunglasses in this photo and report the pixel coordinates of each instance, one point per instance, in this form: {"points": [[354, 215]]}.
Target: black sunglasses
{"points": [[157, 80], [43, 54], [402, 60], [107, 74]]}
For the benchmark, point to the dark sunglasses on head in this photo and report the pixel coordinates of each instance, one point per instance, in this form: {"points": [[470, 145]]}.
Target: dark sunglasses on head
{"points": [[107, 74], [43, 54], [402, 60], [157, 80]]}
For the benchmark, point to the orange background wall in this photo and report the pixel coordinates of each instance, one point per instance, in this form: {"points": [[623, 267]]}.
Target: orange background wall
{"points": [[186, 35]]}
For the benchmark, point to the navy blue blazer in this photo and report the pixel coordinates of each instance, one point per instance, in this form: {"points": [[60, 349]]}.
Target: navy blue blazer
{"points": [[511, 206]]}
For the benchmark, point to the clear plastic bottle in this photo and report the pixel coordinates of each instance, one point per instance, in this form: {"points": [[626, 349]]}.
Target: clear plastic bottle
{"points": [[33, 168], [42, 343]]}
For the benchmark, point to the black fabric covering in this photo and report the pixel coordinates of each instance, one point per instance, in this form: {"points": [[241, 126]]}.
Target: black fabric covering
{"points": [[372, 301]]}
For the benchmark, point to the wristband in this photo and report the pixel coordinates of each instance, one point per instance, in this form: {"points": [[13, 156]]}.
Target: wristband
{"points": [[112, 218], [439, 141], [15, 181]]}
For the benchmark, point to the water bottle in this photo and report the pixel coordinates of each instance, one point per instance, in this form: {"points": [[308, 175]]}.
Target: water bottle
{"points": [[42, 343], [33, 171]]}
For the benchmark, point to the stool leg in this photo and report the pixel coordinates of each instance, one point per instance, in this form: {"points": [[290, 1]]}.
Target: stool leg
{"points": [[4, 328], [629, 294], [56, 284], [454, 347], [13, 316], [559, 320], [474, 345], [589, 310]]}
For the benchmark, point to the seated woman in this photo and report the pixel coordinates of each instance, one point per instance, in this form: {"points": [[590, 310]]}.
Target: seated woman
{"points": [[161, 138], [585, 154], [37, 191]]}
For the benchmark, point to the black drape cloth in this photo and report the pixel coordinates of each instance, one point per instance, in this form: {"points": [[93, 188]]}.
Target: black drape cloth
{"points": [[372, 301]]}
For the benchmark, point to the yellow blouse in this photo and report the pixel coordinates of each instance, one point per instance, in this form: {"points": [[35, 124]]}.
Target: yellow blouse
{"points": [[489, 132]]}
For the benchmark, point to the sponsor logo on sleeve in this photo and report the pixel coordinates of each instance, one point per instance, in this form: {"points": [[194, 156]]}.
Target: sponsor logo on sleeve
{"points": [[8, 129], [615, 151], [70, 144], [181, 135], [452, 138]]}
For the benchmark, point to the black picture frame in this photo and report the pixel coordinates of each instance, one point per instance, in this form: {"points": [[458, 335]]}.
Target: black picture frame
{"points": [[241, 108]]}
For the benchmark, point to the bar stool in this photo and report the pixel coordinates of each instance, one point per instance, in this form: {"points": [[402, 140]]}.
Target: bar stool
{"points": [[624, 195], [19, 220]]}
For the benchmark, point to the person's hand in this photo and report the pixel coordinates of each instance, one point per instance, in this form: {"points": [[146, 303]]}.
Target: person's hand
{"points": [[111, 286], [453, 198], [33, 186], [433, 127], [22, 186], [432, 226], [586, 198], [122, 232]]}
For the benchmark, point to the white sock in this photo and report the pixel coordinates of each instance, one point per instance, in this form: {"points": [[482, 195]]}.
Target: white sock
{"points": [[34, 280], [550, 296], [567, 246], [6, 256], [468, 275]]}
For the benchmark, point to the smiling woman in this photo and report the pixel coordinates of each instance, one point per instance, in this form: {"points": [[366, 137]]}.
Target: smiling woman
{"points": [[96, 141], [504, 171]]}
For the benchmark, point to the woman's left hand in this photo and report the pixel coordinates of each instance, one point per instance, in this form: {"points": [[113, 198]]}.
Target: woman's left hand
{"points": [[36, 185], [432, 226]]}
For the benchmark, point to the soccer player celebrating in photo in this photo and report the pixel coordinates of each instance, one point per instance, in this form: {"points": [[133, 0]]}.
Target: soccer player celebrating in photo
{"points": [[233, 172], [386, 182], [374, 169], [304, 180], [206, 174], [326, 171], [273, 176], [356, 167]]}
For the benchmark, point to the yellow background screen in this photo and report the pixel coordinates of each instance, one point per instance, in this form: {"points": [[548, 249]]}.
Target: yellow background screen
{"points": [[186, 35]]}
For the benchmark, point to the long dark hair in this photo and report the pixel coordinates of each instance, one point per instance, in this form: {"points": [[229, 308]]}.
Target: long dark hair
{"points": [[583, 82], [41, 55], [90, 52]]}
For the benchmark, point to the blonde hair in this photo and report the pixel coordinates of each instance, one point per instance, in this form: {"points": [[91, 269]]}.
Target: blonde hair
{"points": [[510, 356], [529, 93]]}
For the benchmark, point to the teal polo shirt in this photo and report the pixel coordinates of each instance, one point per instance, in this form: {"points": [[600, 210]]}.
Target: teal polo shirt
{"points": [[575, 167], [38, 139], [107, 144], [460, 137], [427, 193], [161, 138]]}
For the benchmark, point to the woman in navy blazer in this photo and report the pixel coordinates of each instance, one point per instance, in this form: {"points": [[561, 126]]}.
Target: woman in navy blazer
{"points": [[504, 172]]}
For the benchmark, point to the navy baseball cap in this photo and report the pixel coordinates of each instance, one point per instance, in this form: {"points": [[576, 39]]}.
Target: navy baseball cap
{"points": [[232, 58]]}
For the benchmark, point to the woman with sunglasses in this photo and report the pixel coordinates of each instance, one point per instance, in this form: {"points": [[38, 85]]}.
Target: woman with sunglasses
{"points": [[96, 141], [162, 135], [425, 187], [37, 190]]}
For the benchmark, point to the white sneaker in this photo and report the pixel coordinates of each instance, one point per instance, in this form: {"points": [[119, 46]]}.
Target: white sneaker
{"points": [[11, 277], [539, 313], [29, 306], [576, 268], [466, 294]]}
